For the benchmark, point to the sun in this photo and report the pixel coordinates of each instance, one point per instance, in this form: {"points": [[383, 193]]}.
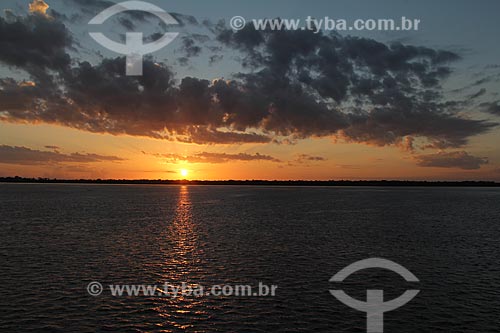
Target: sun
{"points": [[183, 172]]}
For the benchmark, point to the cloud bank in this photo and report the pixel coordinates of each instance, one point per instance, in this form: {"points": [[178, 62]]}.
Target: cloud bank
{"points": [[455, 159], [293, 85], [28, 156], [209, 157]]}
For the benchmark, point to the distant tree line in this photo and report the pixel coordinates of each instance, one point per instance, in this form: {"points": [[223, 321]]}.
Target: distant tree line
{"points": [[18, 179]]}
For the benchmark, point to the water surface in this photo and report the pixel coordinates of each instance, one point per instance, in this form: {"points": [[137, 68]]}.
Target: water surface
{"points": [[56, 238]]}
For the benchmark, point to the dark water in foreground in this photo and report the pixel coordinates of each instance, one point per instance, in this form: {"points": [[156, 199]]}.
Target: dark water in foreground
{"points": [[55, 239]]}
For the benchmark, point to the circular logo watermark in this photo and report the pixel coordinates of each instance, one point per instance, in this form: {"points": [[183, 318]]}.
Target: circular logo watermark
{"points": [[375, 306], [133, 49]]}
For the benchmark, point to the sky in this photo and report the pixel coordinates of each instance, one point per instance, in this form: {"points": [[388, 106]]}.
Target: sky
{"points": [[220, 103]]}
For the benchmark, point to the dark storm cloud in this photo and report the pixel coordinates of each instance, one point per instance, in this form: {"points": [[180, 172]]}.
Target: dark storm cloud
{"points": [[101, 99], [385, 126], [34, 43], [455, 159], [395, 89], [27, 156], [15, 97], [299, 85]]}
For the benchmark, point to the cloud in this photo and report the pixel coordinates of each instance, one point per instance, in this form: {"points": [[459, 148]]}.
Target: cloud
{"points": [[384, 126], [27, 156], [491, 107], [455, 159], [304, 158], [208, 157], [207, 135], [298, 85], [160, 171], [184, 19], [191, 44], [127, 23], [215, 58], [477, 94], [476, 83], [38, 6], [367, 91], [36, 44]]}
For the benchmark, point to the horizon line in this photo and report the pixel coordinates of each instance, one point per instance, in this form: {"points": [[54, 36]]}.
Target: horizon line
{"points": [[331, 182]]}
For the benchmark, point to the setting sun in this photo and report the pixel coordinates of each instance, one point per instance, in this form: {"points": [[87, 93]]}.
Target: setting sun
{"points": [[184, 172]]}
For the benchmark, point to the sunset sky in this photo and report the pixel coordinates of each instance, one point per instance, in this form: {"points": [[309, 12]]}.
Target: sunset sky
{"points": [[251, 104]]}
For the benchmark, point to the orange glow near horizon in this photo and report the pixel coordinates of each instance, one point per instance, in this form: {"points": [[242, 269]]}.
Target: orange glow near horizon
{"points": [[146, 158]]}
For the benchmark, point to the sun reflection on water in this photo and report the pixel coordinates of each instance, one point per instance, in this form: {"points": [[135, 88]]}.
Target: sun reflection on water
{"points": [[182, 264], [184, 237]]}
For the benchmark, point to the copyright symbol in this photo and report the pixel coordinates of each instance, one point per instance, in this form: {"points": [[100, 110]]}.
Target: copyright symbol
{"points": [[94, 288], [237, 22]]}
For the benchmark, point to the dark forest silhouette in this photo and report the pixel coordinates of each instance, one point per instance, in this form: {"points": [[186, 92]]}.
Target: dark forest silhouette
{"points": [[468, 183]]}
